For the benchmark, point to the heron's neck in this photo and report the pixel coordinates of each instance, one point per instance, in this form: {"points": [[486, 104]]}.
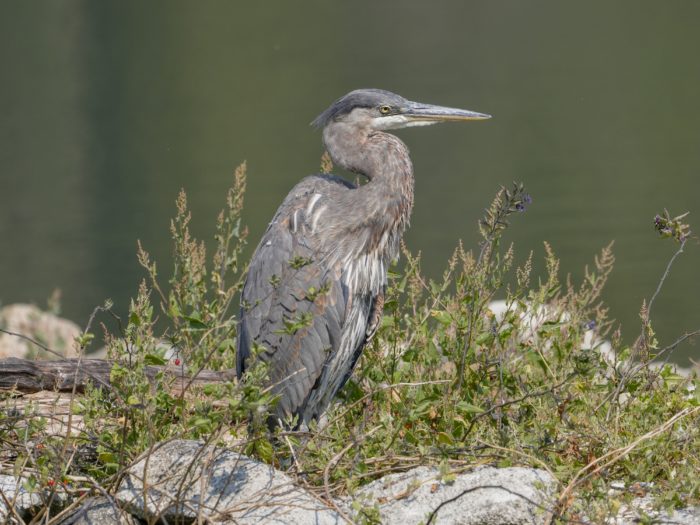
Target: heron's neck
{"points": [[381, 157], [376, 214]]}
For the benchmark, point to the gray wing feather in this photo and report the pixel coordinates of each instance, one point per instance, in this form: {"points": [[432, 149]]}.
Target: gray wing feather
{"points": [[286, 269]]}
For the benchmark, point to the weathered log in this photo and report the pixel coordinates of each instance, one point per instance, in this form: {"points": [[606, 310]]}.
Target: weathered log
{"points": [[23, 375]]}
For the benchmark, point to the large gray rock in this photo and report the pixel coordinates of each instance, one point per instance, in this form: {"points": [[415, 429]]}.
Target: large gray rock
{"points": [[99, 511], [485, 496], [50, 330], [22, 502], [184, 479]]}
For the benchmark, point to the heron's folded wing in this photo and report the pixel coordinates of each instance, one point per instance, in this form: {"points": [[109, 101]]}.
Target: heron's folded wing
{"points": [[292, 305]]}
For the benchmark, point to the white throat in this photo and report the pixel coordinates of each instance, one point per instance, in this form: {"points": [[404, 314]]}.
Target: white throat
{"points": [[397, 122]]}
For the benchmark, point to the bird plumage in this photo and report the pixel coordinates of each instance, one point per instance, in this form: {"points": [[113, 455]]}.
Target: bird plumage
{"points": [[315, 288], [309, 297]]}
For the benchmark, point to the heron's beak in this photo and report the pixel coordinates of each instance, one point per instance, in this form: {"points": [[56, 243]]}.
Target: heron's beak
{"points": [[429, 114]]}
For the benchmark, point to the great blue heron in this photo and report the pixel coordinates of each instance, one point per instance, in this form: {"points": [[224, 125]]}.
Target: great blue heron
{"points": [[314, 292]]}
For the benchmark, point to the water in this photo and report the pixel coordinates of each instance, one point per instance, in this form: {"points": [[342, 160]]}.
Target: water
{"points": [[108, 108]]}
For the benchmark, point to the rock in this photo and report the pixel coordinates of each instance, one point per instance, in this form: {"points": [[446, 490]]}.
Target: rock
{"points": [[534, 318], [687, 516], [485, 496], [641, 510], [50, 330], [99, 511], [186, 479], [24, 503]]}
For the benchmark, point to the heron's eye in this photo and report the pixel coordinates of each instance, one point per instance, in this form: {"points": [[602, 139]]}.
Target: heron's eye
{"points": [[385, 110]]}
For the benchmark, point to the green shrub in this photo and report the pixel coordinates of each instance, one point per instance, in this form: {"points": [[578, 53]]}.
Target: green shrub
{"points": [[446, 381]]}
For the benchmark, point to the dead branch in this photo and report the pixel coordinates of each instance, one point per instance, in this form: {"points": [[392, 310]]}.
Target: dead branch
{"points": [[65, 375]]}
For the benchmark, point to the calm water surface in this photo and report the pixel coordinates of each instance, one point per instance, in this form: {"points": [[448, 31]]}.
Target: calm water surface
{"points": [[108, 108]]}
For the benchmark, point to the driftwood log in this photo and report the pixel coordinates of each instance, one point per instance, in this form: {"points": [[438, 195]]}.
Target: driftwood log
{"points": [[45, 389], [65, 375]]}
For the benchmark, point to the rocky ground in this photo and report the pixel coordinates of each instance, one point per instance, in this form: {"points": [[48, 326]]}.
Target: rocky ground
{"points": [[186, 481]]}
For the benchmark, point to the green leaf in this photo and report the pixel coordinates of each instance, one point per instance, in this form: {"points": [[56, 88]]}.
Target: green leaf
{"points": [[484, 338], [108, 457], [442, 317], [468, 408], [227, 345], [263, 449], [133, 400], [201, 422], [505, 333], [195, 321], [85, 339], [154, 359], [422, 408], [210, 390], [174, 309], [445, 439], [116, 373]]}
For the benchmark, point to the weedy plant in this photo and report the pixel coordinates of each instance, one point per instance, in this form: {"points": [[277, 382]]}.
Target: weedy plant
{"points": [[183, 329], [456, 379], [452, 378], [198, 333]]}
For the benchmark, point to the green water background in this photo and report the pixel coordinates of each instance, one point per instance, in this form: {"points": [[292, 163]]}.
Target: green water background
{"points": [[108, 108]]}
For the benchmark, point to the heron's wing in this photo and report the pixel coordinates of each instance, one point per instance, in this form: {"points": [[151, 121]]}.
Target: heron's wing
{"points": [[293, 302]]}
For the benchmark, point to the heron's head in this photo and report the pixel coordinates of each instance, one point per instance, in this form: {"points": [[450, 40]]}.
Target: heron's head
{"points": [[383, 110]]}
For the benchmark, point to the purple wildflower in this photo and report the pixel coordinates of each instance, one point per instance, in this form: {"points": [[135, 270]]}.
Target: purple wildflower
{"points": [[522, 204]]}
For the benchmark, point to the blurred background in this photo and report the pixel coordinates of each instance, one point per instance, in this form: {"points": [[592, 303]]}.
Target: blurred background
{"points": [[108, 108]]}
